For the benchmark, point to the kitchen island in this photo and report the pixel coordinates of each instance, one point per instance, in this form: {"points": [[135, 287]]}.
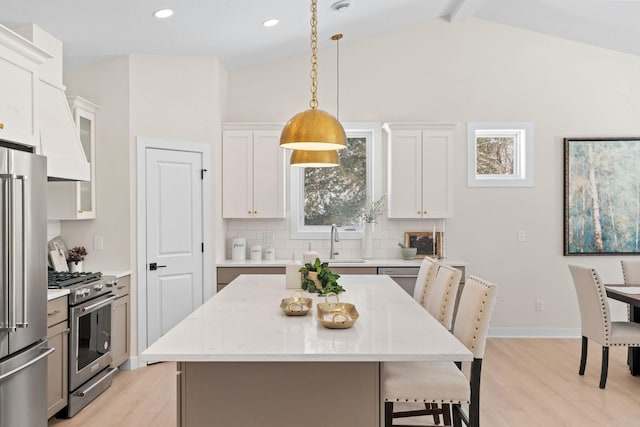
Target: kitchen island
{"points": [[242, 361]]}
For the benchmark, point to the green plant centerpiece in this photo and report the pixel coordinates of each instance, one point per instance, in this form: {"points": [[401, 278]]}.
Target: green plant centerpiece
{"points": [[317, 277]]}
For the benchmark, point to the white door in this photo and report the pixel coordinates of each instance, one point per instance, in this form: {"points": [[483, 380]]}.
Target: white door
{"points": [[174, 237]]}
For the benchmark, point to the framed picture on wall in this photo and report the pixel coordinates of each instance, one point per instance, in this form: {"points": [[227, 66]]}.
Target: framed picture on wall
{"points": [[601, 196], [425, 242]]}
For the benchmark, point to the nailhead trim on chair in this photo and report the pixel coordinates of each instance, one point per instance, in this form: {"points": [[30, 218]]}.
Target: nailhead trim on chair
{"points": [[443, 305], [428, 401], [482, 304]]}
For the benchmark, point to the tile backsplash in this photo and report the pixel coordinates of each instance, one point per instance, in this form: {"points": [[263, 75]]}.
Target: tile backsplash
{"points": [[386, 236]]}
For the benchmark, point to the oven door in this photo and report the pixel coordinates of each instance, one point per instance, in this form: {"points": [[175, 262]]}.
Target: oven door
{"points": [[90, 339]]}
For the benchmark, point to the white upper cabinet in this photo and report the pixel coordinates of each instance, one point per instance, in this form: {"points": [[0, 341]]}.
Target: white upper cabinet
{"points": [[420, 170], [77, 199], [253, 171], [19, 65]]}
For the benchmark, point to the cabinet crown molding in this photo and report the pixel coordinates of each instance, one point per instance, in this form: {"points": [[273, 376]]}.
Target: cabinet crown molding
{"points": [[252, 126], [20, 45], [418, 125]]}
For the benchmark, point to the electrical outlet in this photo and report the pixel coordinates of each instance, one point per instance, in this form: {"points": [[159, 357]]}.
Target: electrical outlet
{"points": [[98, 243], [522, 236], [539, 304]]}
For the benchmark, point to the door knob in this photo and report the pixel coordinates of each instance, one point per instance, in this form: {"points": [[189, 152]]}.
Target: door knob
{"points": [[154, 266]]}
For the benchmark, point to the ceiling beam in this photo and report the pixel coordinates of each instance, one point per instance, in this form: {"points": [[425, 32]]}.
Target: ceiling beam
{"points": [[462, 10]]}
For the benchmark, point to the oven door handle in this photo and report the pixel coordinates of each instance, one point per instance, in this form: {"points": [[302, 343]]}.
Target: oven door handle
{"points": [[98, 304]]}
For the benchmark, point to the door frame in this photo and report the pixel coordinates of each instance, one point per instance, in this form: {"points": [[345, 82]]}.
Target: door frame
{"points": [[208, 288]]}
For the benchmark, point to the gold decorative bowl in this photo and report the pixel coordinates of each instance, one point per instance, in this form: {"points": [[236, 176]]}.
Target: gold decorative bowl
{"points": [[337, 315], [296, 304]]}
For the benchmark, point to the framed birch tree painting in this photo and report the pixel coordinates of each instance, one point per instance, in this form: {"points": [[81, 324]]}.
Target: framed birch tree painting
{"points": [[601, 196]]}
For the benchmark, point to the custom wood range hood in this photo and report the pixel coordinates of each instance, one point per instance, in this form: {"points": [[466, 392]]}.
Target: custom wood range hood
{"points": [[59, 137]]}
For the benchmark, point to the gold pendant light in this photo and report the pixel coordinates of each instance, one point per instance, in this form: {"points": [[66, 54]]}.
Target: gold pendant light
{"points": [[314, 129], [314, 159]]}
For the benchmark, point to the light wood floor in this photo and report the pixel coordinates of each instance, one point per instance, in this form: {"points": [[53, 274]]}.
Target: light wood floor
{"points": [[525, 382]]}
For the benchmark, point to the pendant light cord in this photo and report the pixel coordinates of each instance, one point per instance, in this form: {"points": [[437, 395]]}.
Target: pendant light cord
{"points": [[314, 55], [337, 38]]}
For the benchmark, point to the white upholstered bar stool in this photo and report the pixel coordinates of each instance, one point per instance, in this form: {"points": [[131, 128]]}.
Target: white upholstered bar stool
{"points": [[444, 382], [440, 299], [596, 320], [426, 275]]}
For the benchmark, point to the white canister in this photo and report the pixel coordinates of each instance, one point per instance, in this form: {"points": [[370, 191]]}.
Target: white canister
{"points": [[256, 253], [270, 254], [239, 249]]}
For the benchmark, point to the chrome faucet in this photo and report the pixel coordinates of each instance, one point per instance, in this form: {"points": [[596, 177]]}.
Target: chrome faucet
{"points": [[334, 238]]}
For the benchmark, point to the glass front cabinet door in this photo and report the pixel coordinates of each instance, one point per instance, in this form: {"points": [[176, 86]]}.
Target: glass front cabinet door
{"points": [[77, 200]]}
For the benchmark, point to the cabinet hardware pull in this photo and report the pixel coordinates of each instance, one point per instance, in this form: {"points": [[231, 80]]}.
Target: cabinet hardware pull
{"points": [[1, 125], [80, 211], [418, 212], [249, 212], [255, 212], [425, 212], [53, 313]]}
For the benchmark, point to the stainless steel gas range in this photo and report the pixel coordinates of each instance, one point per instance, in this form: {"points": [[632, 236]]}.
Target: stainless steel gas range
{"points": [[90, 301]]}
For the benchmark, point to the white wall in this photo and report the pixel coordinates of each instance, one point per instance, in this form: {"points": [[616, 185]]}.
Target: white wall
{"points": [[168, 97], [478, 71]]}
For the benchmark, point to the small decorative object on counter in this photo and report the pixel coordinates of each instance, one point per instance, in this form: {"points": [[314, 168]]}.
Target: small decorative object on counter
{"points": [[270, 254], [239, 249], [317, 277], [296, 305], [75, 256], [256, 253], [292, 273], [368, 216], [337, 315], [310, 255]]}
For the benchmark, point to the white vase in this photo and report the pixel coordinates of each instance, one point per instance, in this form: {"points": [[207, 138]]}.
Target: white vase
{"points": [[367, 240], [75, 267]]}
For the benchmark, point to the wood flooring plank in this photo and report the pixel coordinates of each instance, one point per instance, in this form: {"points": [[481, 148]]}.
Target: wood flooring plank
{"points": [[525, 383]]}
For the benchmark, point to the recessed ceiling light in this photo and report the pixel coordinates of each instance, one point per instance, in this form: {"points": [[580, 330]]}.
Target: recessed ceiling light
{"points": [[163, 13], [270, 22]]}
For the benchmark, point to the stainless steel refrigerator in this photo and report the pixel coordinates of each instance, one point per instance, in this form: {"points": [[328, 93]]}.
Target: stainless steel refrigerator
{"points": [[23, 288]]}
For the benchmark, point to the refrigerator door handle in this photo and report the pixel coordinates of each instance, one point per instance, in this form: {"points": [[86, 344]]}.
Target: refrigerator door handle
{"points": [[9, 251], [25, 239], [4, 319], [45, 353]]}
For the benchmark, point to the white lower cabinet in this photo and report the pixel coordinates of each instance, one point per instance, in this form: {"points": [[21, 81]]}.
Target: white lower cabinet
{"points": [[253, 172], [420, 170]]}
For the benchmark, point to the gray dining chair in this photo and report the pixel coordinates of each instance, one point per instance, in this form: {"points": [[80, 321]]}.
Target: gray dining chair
{"points": [[596, 324], [444, 382], [426, 275]]}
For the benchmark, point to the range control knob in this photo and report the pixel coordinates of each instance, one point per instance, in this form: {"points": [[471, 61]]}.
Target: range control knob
{"points": [[98, 287]]}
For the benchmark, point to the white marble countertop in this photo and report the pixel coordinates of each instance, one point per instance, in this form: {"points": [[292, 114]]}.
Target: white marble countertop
{"points": [[244, 323], [56, 293], [392, 262], [118, 273]]}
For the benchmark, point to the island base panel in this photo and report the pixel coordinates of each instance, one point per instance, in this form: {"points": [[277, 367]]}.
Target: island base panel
{"points": [[275, 394]]}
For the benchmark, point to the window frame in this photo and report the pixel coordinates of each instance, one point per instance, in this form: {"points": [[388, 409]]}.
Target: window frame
{"points": [[298, 231], [523, 154]]}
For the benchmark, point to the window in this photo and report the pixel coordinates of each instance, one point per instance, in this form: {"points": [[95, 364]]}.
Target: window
{"points": [[500, 154], [324, 196]]}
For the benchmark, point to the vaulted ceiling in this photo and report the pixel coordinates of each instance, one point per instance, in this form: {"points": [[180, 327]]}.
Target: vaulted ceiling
{"points": [[232, 30]]}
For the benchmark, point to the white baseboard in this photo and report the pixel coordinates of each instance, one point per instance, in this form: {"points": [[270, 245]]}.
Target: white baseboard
{"points": [[534, 333], [131, 364]]}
